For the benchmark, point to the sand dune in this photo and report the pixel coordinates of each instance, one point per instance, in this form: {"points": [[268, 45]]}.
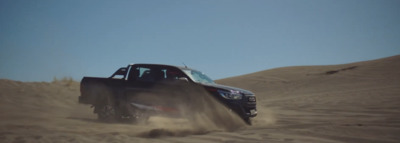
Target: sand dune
{"points": [[357, 102]]}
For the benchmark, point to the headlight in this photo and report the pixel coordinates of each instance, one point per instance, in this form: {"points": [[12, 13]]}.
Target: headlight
{"points": [[233, 95]]}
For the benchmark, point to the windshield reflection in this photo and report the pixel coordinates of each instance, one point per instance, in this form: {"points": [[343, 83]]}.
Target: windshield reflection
{"points": [[197, 76]]}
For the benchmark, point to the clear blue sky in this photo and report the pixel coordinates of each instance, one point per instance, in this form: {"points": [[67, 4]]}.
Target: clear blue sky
{"points": [[42, 39]]}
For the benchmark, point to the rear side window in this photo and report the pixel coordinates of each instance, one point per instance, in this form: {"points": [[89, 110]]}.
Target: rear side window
{"points": [[145, 74]]}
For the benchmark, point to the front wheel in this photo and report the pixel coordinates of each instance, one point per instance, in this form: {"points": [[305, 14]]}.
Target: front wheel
{"points": [[139, 116]]}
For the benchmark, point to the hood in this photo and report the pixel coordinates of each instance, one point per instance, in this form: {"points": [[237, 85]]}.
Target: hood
{"points": [[219, 86]]}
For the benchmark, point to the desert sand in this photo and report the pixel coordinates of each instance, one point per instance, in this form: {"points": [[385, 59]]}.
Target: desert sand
{"points": [[349, 103]]}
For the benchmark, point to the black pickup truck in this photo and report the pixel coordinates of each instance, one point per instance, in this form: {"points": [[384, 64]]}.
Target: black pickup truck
{"points": [[114, 98]]}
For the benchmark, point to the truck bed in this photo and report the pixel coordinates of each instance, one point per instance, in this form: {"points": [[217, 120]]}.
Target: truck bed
{"points": [[91, 87]]}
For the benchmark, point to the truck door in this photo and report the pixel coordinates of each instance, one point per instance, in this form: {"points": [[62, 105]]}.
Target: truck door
{"points": [[141, 78], [143, 84]]}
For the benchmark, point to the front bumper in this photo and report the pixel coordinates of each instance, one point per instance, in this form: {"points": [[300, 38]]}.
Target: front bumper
{"points": [[245, 107]]}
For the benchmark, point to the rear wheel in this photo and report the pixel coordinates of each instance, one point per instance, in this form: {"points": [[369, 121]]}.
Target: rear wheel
{"points": [[105, 106], [106, 113]]}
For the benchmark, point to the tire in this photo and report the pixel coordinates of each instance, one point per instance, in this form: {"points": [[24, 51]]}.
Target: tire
{"points": [[106, 113], [105, 107]]}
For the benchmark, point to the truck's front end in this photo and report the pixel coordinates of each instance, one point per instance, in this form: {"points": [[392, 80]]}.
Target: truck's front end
{"points": [[242, 102]]}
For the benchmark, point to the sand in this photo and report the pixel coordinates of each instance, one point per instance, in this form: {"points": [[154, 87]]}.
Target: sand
{"points": [[349, 103]]}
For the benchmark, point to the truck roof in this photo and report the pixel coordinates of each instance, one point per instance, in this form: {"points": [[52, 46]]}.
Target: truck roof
{"points": [[179, 67]]}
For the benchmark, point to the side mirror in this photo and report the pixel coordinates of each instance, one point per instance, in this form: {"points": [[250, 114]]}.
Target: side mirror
{"points": [[183, 79]]}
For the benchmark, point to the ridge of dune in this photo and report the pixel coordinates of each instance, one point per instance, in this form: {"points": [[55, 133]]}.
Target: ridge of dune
{"points": [[267, 81], [356, 102]]}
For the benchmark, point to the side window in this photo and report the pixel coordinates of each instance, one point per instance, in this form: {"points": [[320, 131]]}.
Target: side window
{"points": [[144, 74], [148, 74], [154, 74], [173, 74]]}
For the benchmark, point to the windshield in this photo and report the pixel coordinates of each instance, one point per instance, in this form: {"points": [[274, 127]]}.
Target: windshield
{"points": [[197, 76]]}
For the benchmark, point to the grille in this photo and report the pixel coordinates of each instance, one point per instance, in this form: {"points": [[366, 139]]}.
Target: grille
{"points": [[252, 99]]}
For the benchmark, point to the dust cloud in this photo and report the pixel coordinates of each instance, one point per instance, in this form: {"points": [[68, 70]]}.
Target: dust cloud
{"points": [[50, 112], [197, 112], [265, 117]]}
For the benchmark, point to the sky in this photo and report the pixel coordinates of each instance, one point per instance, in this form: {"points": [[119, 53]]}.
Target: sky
{"points": [[44, 39]]}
